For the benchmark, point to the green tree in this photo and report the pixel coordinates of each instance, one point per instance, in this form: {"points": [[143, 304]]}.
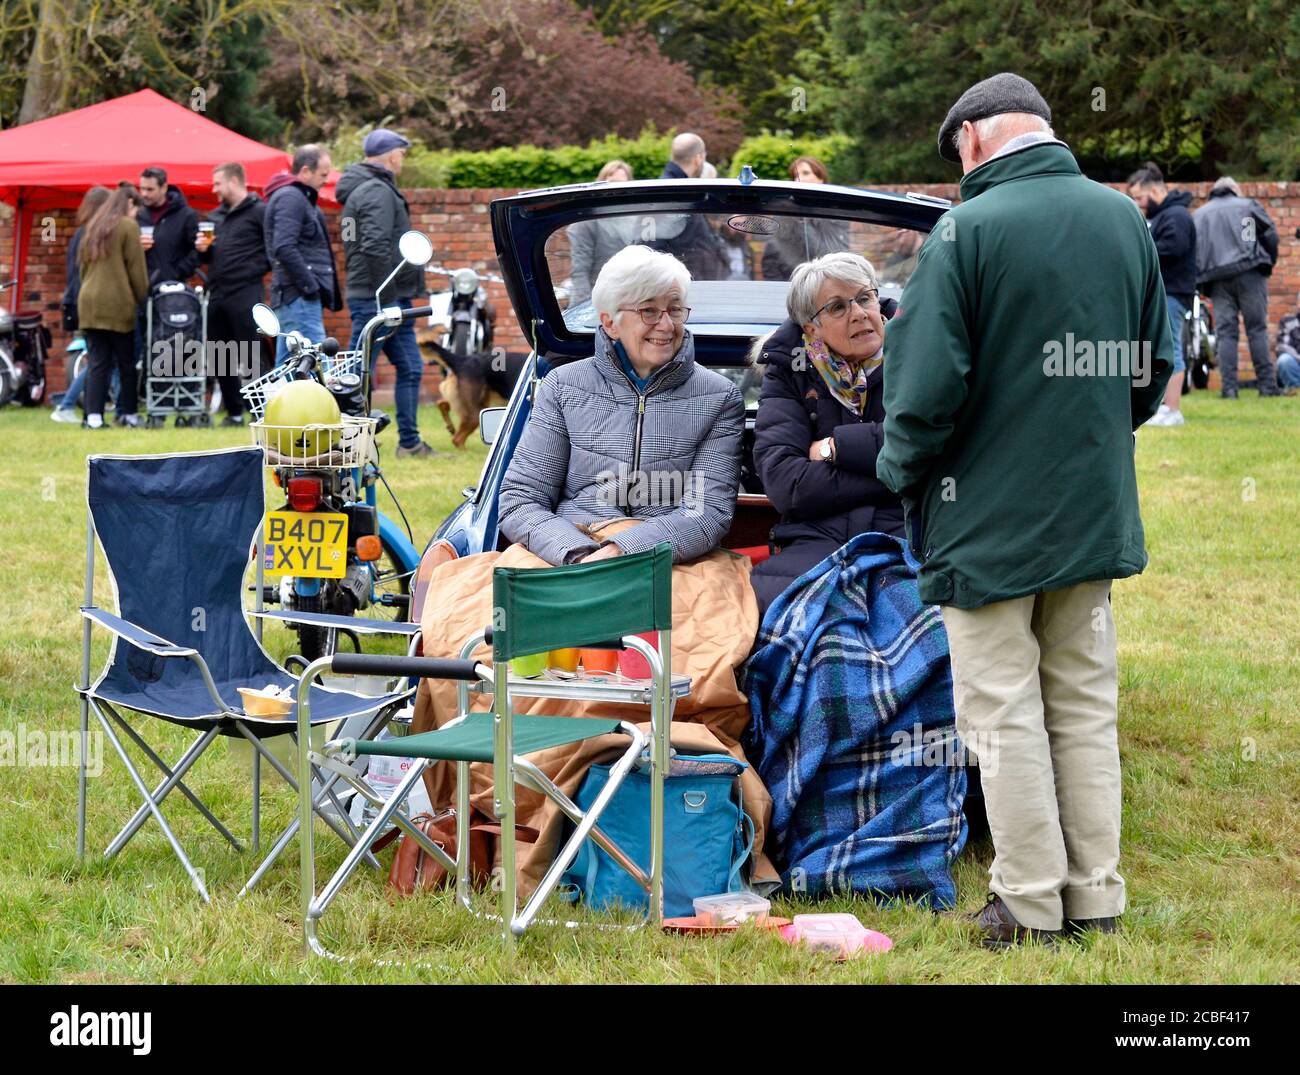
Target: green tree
{"points": [[1201, 86], [750, 47]]}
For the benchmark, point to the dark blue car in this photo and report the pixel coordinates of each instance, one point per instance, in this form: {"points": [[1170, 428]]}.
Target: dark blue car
{"points": [[743, 240]]}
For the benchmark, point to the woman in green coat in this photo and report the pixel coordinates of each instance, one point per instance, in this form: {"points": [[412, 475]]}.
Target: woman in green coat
{"points": [[113, 284]]}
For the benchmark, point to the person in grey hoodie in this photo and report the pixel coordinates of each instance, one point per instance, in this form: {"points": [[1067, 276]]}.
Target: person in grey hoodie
{"points": [[375, 217], [636, 431], [1236, 248]]}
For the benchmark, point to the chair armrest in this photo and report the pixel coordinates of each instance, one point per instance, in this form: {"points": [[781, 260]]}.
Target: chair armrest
{"points": [[136, 635], [373, 664], [152, 643], [359, 624]]}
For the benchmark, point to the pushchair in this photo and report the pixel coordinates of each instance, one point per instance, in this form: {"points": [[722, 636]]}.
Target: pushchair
{"points": [[176, 373]]}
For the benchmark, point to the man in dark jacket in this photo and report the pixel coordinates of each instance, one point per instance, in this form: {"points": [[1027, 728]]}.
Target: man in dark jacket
{"points": [[375, 216], [1236, 248], [234, 250], [687, 236], [167, 229], [1029, 344], [1174, 234], [303, 277]]}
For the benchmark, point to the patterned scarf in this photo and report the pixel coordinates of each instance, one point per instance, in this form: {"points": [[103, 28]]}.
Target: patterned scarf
{"points": [[846, 380]]}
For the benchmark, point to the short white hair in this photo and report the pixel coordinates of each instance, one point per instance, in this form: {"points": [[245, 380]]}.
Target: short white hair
{"points": [[807, 280], [990, 128], [634, 274]]}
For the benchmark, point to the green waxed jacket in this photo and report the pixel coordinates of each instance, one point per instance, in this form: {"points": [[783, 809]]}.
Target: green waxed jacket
{"points": [[1031, 341]]}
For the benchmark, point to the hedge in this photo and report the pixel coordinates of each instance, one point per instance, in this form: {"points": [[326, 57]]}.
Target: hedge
{"points": [[530, 167]]}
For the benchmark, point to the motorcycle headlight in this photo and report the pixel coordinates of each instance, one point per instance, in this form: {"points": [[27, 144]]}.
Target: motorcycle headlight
{"points": [[465, 281]]}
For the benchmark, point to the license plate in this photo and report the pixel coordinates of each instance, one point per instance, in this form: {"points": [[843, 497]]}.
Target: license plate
{"points": [[306, 544]]}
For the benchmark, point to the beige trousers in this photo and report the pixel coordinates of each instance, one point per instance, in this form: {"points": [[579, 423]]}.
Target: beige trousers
{"points": [[1036, 689]]}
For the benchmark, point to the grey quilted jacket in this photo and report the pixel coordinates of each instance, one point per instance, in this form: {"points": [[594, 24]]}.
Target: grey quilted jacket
{"points": [[596, 449]]}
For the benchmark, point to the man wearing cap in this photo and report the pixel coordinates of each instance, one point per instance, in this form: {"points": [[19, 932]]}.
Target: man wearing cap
{"points": [[375, 216], [1031, 341]]}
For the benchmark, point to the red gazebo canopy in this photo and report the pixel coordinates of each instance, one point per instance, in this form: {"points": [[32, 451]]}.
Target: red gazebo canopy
{"points": [[51, 163]]}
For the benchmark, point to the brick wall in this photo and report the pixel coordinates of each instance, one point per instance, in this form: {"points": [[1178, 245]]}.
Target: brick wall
{"points": [[457, 222]]}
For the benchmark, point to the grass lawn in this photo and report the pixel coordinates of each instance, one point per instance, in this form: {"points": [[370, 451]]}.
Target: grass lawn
{"points": [[1209, 714]]}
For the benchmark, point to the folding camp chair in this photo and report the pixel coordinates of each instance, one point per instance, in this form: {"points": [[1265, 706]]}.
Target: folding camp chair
{"points": [[177, 532], [604, 604]]}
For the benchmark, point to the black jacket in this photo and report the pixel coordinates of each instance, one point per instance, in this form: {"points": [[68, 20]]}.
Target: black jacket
{"points": [[1175, 238], [298, 245], [823, 502], [172, 256], [237, 256], [375, 216], [695, 244]]}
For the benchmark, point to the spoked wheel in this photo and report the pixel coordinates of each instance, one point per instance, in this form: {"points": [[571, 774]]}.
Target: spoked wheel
{"points": [[203, 421], [8, 377]]}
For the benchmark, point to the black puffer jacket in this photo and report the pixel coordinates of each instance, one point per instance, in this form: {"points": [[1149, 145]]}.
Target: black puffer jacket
{"points": [[237, 255], [824, 502], [298, 245], [822, 505], [1174, 234], [375, 217], [172, 256]]}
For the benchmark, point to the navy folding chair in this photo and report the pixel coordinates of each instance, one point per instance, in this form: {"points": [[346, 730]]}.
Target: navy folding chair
{"points": [[177, 533]]}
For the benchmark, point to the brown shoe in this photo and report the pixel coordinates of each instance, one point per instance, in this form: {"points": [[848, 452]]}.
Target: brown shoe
{"points": [[999, 929]]}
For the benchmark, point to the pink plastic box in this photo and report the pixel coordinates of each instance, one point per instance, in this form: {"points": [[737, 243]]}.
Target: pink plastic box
{"points": [[841, 934]]}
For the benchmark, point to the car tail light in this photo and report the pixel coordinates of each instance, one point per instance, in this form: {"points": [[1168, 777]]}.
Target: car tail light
{"points": [[369, 548], [304, 493]]}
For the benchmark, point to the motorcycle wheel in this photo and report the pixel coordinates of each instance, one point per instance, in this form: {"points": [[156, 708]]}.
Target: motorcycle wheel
{"points": [[460, 338], [311, 640], [8, 377], [1200, 373]]}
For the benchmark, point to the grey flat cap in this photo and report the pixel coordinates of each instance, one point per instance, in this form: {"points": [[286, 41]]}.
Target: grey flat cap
{"points": [[1005, 92]]}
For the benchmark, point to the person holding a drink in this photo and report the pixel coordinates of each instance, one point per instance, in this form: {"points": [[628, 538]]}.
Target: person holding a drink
{"points": [[231, 244]]}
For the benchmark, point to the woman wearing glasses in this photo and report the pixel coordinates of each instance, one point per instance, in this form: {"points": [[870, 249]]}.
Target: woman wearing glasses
{"points": [[636, 432], [819, 419]]}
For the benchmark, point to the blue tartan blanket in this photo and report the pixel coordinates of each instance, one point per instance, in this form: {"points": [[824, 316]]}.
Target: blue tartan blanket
{"points": [[853, 730]]}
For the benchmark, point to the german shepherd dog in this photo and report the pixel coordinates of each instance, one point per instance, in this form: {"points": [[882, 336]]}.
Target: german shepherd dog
{"points": [[473, 382]]}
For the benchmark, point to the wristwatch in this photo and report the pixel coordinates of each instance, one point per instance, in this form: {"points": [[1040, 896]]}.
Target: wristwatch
{"points": [[827, 450]]}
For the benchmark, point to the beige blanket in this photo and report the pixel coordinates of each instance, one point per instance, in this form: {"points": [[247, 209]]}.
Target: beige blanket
{"points": [[715, 618]]}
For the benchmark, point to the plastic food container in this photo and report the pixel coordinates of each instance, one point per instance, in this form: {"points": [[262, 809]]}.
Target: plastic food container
{"points": [[564, 659], [259, 704], [731, 908], [841, 934]]}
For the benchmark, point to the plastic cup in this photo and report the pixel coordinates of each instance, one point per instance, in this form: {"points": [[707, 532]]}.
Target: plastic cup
{"points": [[632, 664], [531, 666], [599, 662], [564, 659], [206, 227], [146, 232]]}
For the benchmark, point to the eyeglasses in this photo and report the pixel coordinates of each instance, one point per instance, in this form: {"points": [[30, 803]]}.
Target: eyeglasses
{"points": [[837, 309], [651, 315]]}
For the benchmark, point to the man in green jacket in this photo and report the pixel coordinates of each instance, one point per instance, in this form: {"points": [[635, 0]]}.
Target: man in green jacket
{"points": [[1031, 342]]}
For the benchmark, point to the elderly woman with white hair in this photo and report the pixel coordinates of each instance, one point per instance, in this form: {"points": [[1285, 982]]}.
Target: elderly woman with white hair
{"points": [[819, 419], [637, 431], [634, 446]]}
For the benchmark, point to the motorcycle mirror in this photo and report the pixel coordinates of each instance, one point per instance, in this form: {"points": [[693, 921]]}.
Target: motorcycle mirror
{"points": [[416, 248], [264, 317]]}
